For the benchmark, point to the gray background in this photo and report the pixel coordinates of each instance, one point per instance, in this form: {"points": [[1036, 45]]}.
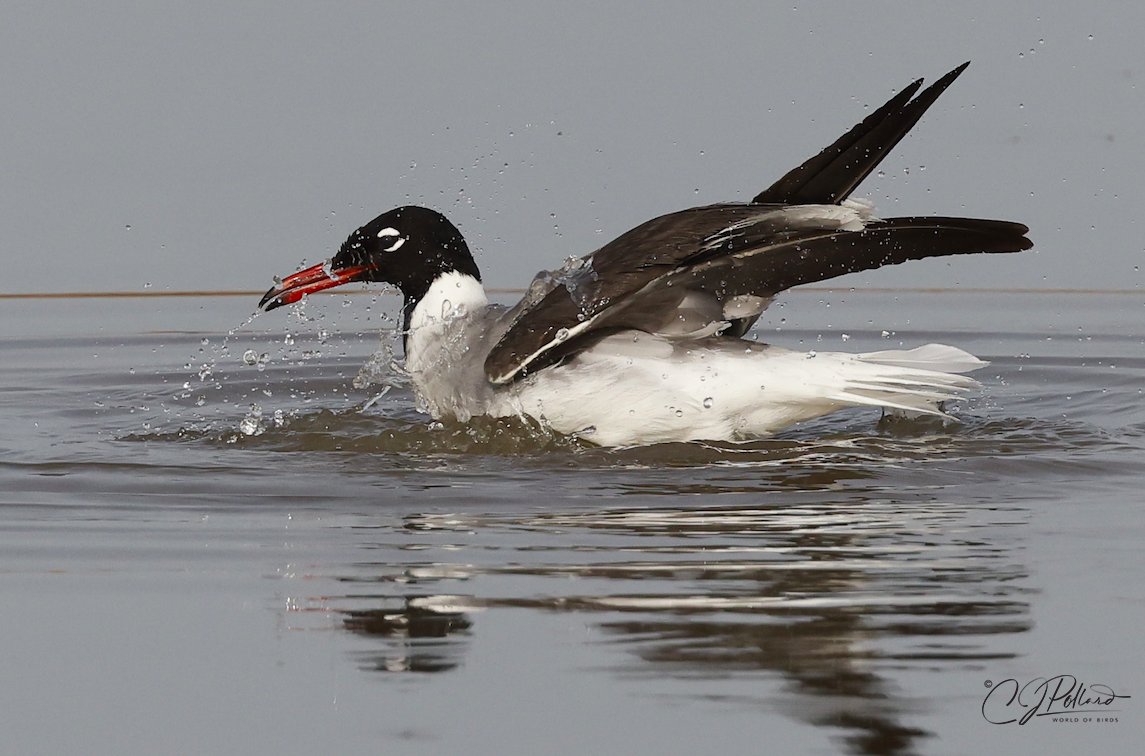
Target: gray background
{"points": [[208, 146]]}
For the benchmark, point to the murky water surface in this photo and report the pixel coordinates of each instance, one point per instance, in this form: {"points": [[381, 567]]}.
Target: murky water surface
{"points": [[254, 543]]}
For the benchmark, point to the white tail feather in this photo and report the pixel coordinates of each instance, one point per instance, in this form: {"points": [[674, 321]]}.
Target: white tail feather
{"points": [[937, 357], [911, 380], [672, 393]]}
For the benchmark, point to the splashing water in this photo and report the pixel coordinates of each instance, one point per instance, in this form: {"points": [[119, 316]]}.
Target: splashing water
{"points": [[382, 367], [577, 277], [385, 390], [252, 424]]}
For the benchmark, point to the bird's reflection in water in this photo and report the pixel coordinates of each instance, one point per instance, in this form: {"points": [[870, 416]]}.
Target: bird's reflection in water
{"points": [[426, 634], [830, 600]]}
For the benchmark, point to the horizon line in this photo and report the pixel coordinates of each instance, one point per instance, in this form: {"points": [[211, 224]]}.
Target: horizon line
{"points": [[495, 290]]}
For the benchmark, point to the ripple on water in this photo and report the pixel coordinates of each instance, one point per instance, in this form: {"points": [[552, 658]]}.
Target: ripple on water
{"points": [[827, 595], [857, 434], [827, 565]]}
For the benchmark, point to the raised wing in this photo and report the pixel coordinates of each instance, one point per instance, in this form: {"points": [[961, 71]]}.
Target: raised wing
{"points": [[829, 177], [714, 269], [710, 269]]}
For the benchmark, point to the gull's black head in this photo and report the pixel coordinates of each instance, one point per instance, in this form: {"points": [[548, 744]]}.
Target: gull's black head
{"points": [[408, 247]]}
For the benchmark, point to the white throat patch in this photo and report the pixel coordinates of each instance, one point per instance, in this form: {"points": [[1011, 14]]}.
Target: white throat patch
{"points": [[451, 295]]}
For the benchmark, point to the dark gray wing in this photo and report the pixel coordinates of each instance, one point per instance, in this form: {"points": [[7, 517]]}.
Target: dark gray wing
{"points": [[829, 177], [687, 273], [768, 264], [697, 271]]}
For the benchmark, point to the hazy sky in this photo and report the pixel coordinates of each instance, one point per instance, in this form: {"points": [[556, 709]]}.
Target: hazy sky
{"points": [[212, 145]]}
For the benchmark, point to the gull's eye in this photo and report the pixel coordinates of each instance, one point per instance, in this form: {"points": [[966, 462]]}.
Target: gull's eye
{"points": [[388, 234]]}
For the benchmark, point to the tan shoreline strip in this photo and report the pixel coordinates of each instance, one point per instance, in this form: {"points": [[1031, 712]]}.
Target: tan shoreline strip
{"points": [[805, 290]]}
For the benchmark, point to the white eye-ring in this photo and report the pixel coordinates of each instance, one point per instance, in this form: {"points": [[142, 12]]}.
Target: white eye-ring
{"points": [[392, 232]]}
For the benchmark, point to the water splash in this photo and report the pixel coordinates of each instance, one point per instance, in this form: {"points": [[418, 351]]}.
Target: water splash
{"points": [[382, 367], [577, 277], [385, 390], [252, 424]]}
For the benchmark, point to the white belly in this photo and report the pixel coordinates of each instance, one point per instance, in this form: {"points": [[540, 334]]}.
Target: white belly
{"points": [[625, 392], [633, 388]]}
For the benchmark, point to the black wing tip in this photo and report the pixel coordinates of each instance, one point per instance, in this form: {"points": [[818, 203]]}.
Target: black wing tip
{"points": [[946, 78], [834, 172], [995, 236], [939, 86], [1013, 239], [944, 81], [820, 255], [904, 95], [1024, 242]]}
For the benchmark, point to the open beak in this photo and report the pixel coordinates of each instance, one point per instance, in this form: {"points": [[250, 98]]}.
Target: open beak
{"points": [[308, 281]]}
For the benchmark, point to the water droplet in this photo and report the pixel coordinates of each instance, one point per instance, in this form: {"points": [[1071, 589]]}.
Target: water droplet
{"points": [[288, 340], [707, 402], [845, 337], [251, 425], [562, 335], [250, 357]]}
